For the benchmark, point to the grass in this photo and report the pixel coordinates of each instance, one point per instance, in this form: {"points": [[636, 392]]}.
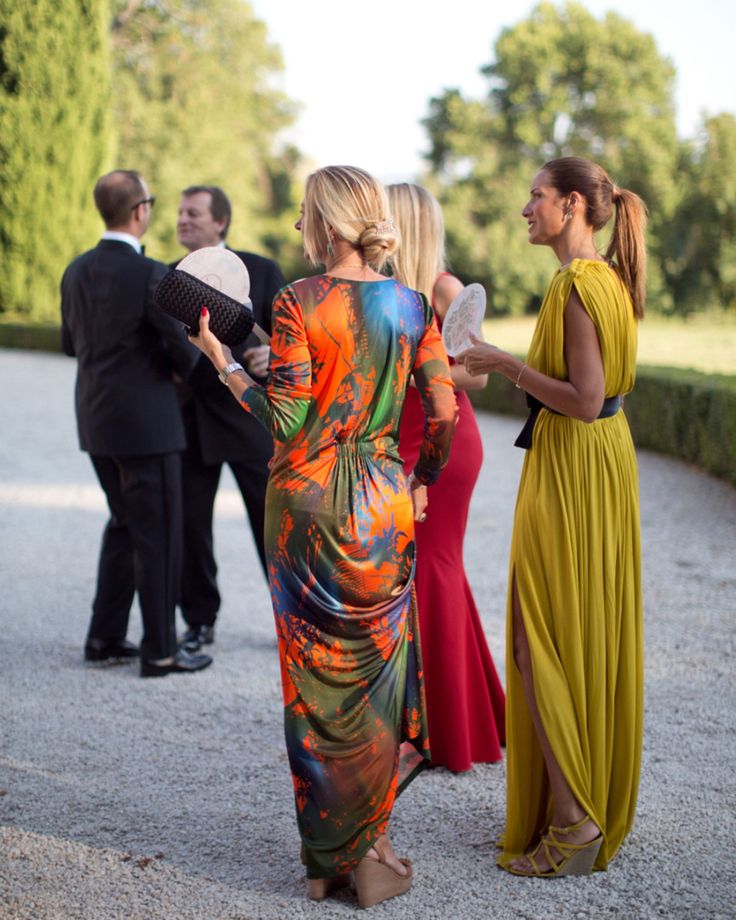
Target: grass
{"points": [[704, 343]]}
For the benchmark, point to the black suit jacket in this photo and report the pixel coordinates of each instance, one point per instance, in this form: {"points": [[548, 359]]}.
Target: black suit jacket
{"points": [[225, 432], [127, 351]]}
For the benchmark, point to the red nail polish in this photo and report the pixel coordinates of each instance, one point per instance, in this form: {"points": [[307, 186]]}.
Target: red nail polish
{"points": [[204, 311]]}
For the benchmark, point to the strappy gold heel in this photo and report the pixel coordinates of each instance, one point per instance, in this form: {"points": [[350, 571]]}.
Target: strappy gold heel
{"points": [[575, 858], [319, 888], [376, 881]]}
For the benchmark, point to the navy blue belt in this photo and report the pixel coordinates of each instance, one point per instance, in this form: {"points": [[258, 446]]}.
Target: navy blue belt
{"points": [[610, 407]]}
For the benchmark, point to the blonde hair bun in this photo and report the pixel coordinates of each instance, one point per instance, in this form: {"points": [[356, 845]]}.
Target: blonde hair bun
{"points": [[378, 241], [355, 206]]}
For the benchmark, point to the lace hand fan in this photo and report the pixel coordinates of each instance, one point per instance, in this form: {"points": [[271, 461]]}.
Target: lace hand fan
{"points": [[463, 318]]}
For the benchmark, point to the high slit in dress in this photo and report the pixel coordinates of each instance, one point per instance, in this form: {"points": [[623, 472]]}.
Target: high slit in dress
{"points": [[576, 562]]}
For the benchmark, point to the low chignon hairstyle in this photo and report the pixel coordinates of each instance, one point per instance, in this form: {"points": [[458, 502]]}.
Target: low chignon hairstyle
{"points": [[420, 257], [602, 197], [355, 205]]}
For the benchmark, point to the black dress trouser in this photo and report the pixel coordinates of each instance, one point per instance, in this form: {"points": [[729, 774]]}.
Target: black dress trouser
{"points": [[200, 597], [141, 550]]}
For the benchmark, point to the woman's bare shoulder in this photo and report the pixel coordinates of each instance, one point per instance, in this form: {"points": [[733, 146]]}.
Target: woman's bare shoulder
{"points": [[446, 289]]}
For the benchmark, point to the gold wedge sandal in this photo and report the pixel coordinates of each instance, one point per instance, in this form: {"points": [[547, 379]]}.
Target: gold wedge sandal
{"points": [[376, 881], [574, 858]]}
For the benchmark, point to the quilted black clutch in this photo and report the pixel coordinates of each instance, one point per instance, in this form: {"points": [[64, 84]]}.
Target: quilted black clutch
{"points": [[182, 296]]}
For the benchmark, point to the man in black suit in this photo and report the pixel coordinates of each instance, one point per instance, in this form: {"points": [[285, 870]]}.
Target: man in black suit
{"points": [[218, 429], [129, 422]]}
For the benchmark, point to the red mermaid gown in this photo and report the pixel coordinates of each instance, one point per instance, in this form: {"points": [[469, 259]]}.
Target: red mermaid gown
{"points": [[465, 699]]}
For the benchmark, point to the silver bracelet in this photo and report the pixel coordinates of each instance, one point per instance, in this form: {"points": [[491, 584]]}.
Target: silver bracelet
{"points": [[523, 368], [226, 371]]}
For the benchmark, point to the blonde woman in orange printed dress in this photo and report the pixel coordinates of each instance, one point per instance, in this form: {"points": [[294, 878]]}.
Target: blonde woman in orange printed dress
{"points": [[340, 515]]}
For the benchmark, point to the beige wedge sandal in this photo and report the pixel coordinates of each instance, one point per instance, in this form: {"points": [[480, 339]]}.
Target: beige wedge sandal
{"points": [[376, 881]]}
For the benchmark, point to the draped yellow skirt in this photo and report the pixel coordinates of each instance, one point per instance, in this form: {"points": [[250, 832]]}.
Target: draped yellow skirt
{"points": [[576, 559]]}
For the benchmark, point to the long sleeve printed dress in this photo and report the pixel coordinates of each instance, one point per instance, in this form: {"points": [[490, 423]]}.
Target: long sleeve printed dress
{"points": [[576, 562], [340, 548]]}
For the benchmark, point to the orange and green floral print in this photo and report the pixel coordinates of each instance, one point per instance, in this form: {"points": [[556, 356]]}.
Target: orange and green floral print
{"points": [[340, 548]]}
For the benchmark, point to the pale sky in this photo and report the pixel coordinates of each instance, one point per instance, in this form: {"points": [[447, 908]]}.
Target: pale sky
{"points": [[364, 73]]}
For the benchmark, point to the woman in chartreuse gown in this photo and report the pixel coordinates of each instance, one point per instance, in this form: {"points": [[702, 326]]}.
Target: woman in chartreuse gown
{"points": [[340, 515], [575, 694], [465, 699]]}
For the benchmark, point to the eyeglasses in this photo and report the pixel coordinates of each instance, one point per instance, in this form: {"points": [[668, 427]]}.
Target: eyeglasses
{"points": [[151, 201]]}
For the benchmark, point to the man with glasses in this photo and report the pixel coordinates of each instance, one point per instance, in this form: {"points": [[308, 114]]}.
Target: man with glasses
{"points": [[218, 430], [129, 422]]}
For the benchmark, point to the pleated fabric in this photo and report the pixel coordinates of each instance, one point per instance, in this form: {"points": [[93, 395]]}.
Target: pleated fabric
{"points": [[576, 559], [340, 549]]}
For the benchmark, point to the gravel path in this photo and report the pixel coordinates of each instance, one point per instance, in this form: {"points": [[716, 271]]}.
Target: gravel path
{"points": [[171, 799]]}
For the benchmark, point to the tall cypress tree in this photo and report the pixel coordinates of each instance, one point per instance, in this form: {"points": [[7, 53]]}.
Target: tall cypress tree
{"points": [[54, 141]]}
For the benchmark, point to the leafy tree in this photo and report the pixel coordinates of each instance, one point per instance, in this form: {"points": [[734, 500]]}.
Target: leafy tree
{"points": [[483, 189], [701, 243], [562, 83], [195, 104], [54, 98]]}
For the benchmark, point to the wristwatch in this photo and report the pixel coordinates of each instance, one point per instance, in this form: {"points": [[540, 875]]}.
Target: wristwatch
{"points": [[226, 371]]}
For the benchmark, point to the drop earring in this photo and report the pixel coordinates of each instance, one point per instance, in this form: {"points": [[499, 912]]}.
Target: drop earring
{"points": [[330, 249]]}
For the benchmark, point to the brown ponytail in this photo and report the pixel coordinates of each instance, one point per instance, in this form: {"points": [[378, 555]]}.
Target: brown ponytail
{"points": [[627, 247]]}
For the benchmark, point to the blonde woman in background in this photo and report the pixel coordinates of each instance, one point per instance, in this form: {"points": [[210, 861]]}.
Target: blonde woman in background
{"points": [[340, 515], [465, 699]]}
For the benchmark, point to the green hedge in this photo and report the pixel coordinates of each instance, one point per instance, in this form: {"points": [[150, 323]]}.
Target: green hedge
{"points": [[683, 413], [688, 415], [34, 337]]}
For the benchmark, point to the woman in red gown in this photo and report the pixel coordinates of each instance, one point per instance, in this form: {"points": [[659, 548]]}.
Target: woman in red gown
{"points": [[465, 699]]}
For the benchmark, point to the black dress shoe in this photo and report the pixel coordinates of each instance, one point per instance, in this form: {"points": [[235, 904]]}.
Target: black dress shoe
{"points": [[108, 650], [182, 663], [197, 636]]}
